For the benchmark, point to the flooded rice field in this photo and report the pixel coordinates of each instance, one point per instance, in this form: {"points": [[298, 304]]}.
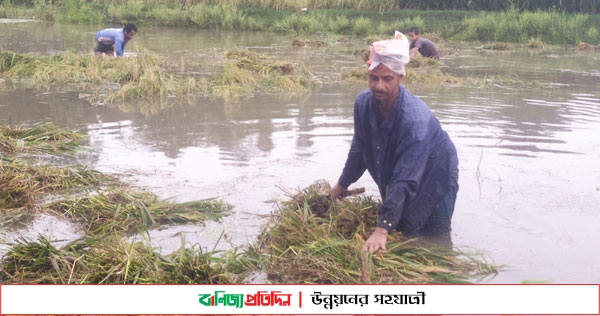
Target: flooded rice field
{"points": [[529, 152]]}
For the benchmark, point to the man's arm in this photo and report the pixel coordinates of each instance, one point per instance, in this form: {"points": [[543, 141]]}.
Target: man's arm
{"points": [[413, 52], [411, 157], [119, 44], [355, 163], [409, 166]]}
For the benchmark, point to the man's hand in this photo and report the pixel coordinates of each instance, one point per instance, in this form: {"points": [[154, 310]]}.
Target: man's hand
{"points": [[376, 241], [338, 191]]}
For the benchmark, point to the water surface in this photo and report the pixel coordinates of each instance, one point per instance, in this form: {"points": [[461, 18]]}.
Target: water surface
{"points": [[529, 171]]}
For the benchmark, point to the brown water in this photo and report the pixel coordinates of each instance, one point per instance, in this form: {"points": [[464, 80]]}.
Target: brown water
{"points": [[529, 157]]}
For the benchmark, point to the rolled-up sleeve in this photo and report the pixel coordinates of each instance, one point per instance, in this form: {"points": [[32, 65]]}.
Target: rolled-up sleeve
{"points": [[355, 163], [119, 45]]}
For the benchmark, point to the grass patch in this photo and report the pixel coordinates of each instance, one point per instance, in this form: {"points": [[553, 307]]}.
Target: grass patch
{"points": [[42, 137], [144, 76], [497, 46], [248, 72], [126, 211], [103, 255], [26, 188], [137, 77], [313, 239], [113, 260], [418, 71], [303, 42]]}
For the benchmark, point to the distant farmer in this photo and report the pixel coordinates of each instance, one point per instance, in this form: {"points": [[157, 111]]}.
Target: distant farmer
{"points": [[109, 39], [402, 145], [421, 45]]}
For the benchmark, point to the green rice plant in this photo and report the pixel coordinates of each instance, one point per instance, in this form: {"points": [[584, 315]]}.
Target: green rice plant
{"points": [[250, 72], [355, 75], [127, 211], [515, 26], [216, 17], [423, 63], [341, 25], [35, 262], [592, 35], [362, 26], [79, 11], [111, 259], [430, 76], [314, 239], [21, 184], [8, 60], [41, 137]]}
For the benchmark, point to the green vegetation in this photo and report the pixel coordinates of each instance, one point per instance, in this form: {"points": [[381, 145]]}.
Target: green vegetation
{"points": [[138, 76], [518, 27], [99, 202], [419, 71], [314, 239], [247, 72], [42, 137], [145, 76], [108, 210], [311, 238], [553, 21], [113, 260]]}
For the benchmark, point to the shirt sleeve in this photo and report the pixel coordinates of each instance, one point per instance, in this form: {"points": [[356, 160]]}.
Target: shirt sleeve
{"points": [[355, 163], [418, 43], [119, 44], [411, 157]]}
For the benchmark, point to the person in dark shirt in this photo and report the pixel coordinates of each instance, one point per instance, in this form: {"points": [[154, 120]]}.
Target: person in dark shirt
{"points": [[402, 145], [109, 39], [422, 45]]}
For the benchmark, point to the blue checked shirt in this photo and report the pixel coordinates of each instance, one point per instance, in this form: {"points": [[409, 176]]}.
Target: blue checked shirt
{"points": [[408, 155]]}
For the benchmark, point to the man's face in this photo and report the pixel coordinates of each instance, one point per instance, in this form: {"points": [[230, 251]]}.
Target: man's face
{"points": [[384, 84], [412, 37], [129, 35]]}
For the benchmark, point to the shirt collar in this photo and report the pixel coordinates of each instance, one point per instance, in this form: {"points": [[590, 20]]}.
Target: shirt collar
{"points": [[388, 122]]}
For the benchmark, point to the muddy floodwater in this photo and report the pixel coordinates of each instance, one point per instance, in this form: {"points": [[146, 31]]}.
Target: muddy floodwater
{"points": [[529, 154]]}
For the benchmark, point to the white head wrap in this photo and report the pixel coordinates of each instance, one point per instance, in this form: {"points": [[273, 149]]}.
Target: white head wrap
{"points": [[393, 53]]}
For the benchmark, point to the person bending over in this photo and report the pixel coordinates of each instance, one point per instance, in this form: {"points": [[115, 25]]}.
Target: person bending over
{"points": [[113, 41], [402, 145], [421, 45]]}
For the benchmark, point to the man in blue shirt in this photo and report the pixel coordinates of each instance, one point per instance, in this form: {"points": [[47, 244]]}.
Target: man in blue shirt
{"points": [[402, 145], [109, 39]]}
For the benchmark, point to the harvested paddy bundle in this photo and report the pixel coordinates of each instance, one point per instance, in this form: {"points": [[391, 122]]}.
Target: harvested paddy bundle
{"points": [[42, 137], [110, 260], [21, 184], [101, 203], [315, 239], [249, 72], [139, 76], [103, 254], [127, 211]]}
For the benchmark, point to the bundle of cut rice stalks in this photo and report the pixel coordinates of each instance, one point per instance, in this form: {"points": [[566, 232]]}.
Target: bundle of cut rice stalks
{"points": [[314, 239]]}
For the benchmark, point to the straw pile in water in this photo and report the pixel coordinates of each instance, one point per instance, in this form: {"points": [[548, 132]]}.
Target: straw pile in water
{"points": [[28, 188], [112, 260], [108, 210], [314, 239], [41, 137]]}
